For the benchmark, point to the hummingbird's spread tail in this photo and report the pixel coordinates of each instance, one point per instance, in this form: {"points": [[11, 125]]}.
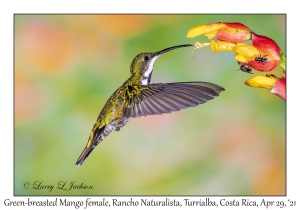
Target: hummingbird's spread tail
{"points": [[92, 143]]}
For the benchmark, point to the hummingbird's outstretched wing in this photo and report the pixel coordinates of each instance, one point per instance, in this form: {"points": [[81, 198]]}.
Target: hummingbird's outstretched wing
{"points": [[168, 97]]}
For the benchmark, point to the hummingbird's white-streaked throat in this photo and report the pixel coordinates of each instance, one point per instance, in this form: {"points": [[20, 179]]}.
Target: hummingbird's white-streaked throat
{"points": [[147, 75]]}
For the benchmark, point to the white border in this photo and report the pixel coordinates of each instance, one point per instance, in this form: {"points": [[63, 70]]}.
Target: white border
{"points": [[262, 6]]}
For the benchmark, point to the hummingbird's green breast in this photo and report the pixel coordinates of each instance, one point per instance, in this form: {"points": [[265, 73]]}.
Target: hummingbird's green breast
{"points": [[123, 96]]}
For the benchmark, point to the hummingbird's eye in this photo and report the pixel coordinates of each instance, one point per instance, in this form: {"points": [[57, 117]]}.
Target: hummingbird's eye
{"points": [[146, 58]]}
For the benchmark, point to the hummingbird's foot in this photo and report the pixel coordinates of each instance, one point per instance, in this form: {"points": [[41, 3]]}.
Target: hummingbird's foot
{"points": [[118, 128]]}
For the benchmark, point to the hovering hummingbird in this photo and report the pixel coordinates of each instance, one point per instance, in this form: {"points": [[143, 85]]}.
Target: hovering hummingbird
{"points": [[136, 97]]}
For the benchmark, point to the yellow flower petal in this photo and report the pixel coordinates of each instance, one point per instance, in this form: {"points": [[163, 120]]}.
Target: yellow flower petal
{"points": [[211, 34], [240, 58], [266, 82], [221, 46], [247, 51], [201, 44], [204, 29]]}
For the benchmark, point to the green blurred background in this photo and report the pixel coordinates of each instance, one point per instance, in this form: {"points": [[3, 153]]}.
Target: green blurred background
{"points": [[67, 66]]}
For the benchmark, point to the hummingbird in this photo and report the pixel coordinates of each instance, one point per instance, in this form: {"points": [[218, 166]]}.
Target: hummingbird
{"points": [[136, 98]]}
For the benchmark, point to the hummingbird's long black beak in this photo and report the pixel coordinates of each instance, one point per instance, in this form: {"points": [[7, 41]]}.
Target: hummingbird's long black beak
{"points": [[171, 48]]}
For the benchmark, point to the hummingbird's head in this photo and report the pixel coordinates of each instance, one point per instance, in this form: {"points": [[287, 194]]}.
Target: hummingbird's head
{"points": [[143, 63]]}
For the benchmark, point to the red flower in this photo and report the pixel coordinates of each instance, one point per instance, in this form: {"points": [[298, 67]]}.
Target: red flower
{"points": [[230, 32], [279, 87], [269, 53], [263, 55], [276, 85], [233, 32]]}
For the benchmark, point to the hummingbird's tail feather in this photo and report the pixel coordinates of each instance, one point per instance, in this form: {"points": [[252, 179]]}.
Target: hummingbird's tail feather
{"points": [[85, 153], [94, 140]]}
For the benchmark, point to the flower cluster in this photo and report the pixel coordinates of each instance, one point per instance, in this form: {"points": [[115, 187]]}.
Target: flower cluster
{"points": [[263, 55]]}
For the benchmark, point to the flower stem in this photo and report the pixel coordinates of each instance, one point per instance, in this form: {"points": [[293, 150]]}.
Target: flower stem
{"points": [[282, 61]]}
